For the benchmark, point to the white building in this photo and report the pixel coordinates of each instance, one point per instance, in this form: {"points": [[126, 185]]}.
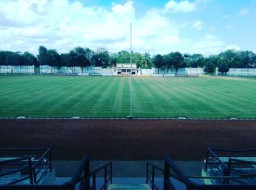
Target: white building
{"points": [[126, 69]]}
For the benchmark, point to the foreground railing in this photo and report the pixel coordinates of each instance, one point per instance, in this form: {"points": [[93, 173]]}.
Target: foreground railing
{"points": [[35, 162], [81, 179], [152, 171], [107, 173], [173, 176], [221, 161], [27, 171]]}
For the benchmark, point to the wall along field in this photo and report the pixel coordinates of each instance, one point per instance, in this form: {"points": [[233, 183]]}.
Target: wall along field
{"points": [[109, 97]]}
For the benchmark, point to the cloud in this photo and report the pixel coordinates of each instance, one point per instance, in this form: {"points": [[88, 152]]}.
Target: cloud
{"points": [[244, 11], [183, 6], [198, 25], [208, 44], [62, 25]]}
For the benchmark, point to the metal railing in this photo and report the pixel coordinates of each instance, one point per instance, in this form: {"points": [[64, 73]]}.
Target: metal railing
{"points": [[216, 166], [36, 162], [171, 171], [82, 176], [107, 170], [81, 180], [151, 172], [219, 167], [26, 170]]}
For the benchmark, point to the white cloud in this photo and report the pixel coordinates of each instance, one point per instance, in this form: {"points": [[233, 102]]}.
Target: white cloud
{"points": [[244, 11], [198, 25], [208, 44], [182, 6], [60, 23], [63, 25]]}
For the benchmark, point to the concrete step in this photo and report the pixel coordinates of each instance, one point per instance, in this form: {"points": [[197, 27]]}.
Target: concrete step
{"points": [[61, 180], [129, 187]]}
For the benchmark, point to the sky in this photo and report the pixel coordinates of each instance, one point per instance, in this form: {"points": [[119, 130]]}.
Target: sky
{"points": [[158, 26]]}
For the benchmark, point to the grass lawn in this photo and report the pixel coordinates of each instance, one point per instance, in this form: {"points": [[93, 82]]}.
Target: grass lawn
{"points": [[76, 96]]}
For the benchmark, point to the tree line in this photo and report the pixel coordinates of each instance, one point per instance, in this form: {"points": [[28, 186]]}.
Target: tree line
{"points": [[77, 57], [84, 57], [223, 61]]}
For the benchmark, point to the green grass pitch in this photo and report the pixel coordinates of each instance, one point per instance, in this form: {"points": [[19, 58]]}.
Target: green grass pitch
{"points": [[107, 97]]}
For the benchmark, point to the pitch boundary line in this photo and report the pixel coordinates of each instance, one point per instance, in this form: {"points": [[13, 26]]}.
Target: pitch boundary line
{"points": [[123, 118]]}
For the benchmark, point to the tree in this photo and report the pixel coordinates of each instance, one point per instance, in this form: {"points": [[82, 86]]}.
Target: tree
{"points": [[113, 59], [78, 57], [211, 63], [223, 68], [43, 56], [146, 61], [123, 57], [248, 59], [64, 59], [137, 58], [53, 58], [158, 61], [231, 58], [194, 60], [2, 58], [104, 58], [178, 61], [13, 59], [88, 53], [169, 61], [30, 59], [101, 59]]}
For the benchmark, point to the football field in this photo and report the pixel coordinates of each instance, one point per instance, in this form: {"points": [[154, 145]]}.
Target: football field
{"points": [[109, 97]]}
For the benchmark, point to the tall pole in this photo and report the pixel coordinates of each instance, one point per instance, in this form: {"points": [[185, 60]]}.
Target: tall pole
{"points": [[131, 116]]}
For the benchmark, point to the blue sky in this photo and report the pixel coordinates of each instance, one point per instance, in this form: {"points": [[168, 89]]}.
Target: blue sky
{"points": [[189, 26]]}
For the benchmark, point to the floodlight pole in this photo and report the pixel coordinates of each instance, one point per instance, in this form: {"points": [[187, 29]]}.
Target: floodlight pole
{"points": [[131, 116]]}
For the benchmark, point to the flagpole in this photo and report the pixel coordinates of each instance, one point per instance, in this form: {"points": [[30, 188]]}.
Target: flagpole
{"points": [[131, 106]]}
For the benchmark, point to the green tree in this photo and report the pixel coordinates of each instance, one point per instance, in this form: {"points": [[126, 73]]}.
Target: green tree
{"points": [[113, 59], [169, 61], [211, 63], [146, 61], [43, 56], [2, 58], [137, 58], [53, 58], [123, 57], [223, 68], [14, 58], [229, 57], [248, 59], [194, 60], [178, 61], [158, 61], [30, 59], [78, 57], [101, 58]]}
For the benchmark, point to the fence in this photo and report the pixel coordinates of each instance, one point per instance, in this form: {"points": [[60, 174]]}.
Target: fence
{"points": [[17, 69], [46, 69], [242, 72]]}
